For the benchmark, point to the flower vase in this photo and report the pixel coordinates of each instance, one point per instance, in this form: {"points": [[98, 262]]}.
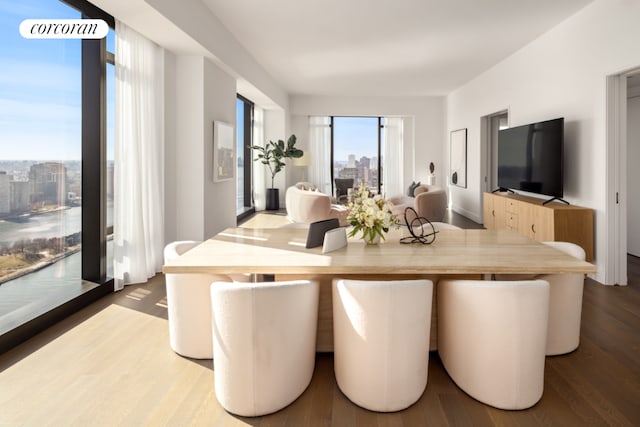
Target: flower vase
{"points": [[371, 241]]}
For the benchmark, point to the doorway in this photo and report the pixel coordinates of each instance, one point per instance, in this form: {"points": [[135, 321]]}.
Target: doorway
{"points": [[633, 173], [490, 125], [623, 200]]}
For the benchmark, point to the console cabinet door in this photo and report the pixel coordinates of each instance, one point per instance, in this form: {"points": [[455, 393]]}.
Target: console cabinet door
{"points": [[526, 219], [487, 211], [540, 223], [494, 212]]}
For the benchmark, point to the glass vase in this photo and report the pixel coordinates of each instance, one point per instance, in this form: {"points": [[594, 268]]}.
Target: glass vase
{"points": [[371, 241]]}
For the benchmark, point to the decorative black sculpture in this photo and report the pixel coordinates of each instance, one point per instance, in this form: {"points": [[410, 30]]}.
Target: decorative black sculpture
{"points": [[420, 228]]}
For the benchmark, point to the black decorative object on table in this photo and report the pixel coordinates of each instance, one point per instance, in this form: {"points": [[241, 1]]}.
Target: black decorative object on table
{"points": [[317, 230], [425, 236]]}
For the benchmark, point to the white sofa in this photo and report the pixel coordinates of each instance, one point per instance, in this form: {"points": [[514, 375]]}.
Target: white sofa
{"points": [[305, 204]]}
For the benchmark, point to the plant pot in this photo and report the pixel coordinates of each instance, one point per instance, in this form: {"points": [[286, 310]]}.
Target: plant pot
{"points": [[273, 199]]}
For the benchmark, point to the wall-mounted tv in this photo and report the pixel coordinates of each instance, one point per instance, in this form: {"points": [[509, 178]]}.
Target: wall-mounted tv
{"points": [[530, 158]]}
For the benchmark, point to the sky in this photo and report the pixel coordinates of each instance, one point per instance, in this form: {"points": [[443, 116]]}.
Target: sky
{"points": [[355, 135], [40, 87]]}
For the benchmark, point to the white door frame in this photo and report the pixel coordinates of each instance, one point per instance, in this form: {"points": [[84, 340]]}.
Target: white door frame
{"points": [[616, 186]]}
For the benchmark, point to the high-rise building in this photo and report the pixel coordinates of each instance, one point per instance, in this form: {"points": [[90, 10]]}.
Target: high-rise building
{"points": [[5, 193], [20, 196], [351, 162], [365, 162], [48, 184]]}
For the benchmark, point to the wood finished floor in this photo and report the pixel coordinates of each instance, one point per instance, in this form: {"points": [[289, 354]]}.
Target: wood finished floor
{"points": [[110, 365]]}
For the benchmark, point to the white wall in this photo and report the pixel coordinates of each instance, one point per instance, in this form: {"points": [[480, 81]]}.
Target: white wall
{"points": [[561, 74], [423, 125], [170, 138], [300, 128], [200, 207], [219, 104], [633, 175], [189, 149]]}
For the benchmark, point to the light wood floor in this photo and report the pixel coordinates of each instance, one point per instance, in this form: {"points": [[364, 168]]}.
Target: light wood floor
{"points": [[110, 364]]}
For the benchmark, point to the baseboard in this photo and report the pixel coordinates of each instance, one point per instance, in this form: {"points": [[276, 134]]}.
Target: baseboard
{"points": [[468, 214]]}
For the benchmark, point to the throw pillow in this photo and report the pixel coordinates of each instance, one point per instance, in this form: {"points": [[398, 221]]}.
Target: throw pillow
{"points": [[306, 186], [412, 188]]}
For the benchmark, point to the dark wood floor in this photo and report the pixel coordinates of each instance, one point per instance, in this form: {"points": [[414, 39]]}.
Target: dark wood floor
{"points": [[598, 384]]}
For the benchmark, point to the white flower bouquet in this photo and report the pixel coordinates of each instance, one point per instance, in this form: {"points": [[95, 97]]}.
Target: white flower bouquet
{"points": [[370, 214]]}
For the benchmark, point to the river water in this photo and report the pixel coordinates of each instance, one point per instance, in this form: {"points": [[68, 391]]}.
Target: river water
{"points": [[52, 224], [50, 286]]}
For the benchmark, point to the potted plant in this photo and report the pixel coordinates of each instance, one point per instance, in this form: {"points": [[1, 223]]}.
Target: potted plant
{"points": [[273, 155]]}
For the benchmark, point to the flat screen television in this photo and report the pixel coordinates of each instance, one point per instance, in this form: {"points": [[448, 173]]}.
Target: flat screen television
{"points": [[530, 158]]}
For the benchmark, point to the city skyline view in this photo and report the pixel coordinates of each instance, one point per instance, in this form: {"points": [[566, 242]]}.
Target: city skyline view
{"points": [[355, 148]]}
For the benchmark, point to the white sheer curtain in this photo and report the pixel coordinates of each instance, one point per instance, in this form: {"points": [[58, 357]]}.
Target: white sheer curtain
{"points": [[393, 167], [320, 153], [259, 182], [139, 146]]}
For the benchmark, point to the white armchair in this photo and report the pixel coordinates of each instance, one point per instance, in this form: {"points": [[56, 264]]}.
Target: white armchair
{"points": [[264, 343], [306, 205], [189, 306], [381, 341], [565, 302], [492, 337]]}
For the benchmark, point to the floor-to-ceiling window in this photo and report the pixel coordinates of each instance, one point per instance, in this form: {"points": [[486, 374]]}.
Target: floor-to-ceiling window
{"points": [[47, 145], [356, 148], [244, 138], [110, 138]]}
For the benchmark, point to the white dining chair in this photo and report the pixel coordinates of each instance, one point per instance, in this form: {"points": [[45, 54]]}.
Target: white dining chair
{"points": [[189, 305], [264, 343], [565, 302], [381, 341], [492, 337]]}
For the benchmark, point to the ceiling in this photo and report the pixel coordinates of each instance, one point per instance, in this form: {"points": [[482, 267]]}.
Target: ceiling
{"points": [[385, 48]]}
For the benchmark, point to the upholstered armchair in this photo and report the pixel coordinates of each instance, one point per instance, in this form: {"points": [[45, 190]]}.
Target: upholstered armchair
{"points": [[429, 201], [305, 204], [492, 338], [381, 335]]}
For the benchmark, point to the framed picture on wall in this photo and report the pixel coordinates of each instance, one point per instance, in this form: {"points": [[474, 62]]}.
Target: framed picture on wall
{"points": [[458, 169], [224, 152]]}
